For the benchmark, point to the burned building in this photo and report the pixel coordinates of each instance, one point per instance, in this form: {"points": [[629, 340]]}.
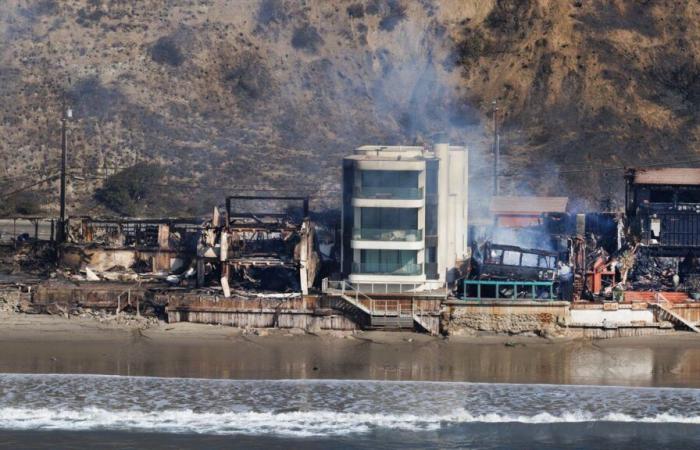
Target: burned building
{"points": [[531, 222], [139, 244], [663, 210], [260, 243], [523, 212], [404, 217]]}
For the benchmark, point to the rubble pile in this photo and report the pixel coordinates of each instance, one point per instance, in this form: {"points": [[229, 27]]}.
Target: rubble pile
{"points": [[36, 259], [119, 320], [654, 274], [104, 317]]}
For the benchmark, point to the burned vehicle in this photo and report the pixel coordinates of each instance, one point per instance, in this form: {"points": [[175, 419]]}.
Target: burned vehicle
{"points": [[509, 262], [511, 272]]}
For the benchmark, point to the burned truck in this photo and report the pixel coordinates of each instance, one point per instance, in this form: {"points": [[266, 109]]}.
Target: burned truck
{"points": [[508, 262], [663, 210]]}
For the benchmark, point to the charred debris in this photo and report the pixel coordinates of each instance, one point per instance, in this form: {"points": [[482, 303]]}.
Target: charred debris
{"points": [[653, 246], [251, 246], [257, 246]]}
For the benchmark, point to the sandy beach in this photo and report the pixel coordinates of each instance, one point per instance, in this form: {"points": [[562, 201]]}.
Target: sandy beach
{"points": [[47, 344]]}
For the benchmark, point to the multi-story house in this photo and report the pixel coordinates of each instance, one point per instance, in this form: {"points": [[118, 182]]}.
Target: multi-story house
{"points": [[404, 214]]}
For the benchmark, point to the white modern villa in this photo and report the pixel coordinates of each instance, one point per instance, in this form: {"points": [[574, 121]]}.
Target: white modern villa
{"points": [[404, 214]]}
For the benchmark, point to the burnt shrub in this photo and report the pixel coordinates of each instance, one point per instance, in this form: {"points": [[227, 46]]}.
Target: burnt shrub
{"points": [[166, 51], [676, 78], [40, 8], [395, 13], [247, 77], [87, 18], [509, 16], [130, 191], [373, 7], [306, 38], [24, 203], [356, 11], [90, 98], [469, 48], [271, 11]]}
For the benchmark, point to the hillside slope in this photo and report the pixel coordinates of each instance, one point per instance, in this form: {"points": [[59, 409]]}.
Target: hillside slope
{"points": [[267, 96]]}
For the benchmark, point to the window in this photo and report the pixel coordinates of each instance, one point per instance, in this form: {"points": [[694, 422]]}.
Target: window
{"points": [[546, 262], [431, 255], [691, 196], [390, 178], [530, 260], [660, 196], [511, 258], [494, 257], [389, 218], [398, 262]]}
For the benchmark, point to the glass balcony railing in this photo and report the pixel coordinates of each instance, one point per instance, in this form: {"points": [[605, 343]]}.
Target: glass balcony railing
{"points": [[387, 269], [379, 234], [398, 193]]}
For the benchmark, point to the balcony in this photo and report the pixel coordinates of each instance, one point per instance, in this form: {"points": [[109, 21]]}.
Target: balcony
{"points": [[380, 234], [390, 193], [387, 269]]}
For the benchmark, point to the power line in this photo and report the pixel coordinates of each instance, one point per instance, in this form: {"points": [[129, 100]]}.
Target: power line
{"points": [[26, 188], [605, 168]]}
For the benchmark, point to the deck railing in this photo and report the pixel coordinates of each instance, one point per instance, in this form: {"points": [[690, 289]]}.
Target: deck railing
{"points": [[387, 269], [520, 290], [386, 234]]}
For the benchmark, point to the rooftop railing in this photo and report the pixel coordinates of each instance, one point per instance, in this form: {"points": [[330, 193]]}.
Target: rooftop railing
{"points": [[387, 269]]}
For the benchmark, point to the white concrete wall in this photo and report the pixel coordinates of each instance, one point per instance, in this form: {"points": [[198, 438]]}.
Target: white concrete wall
{"points": [[393, 164], [598, 317], [453, 195]]}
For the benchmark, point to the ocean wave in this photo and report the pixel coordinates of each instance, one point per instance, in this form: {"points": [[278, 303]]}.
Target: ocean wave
{"points": [[299, 424]]}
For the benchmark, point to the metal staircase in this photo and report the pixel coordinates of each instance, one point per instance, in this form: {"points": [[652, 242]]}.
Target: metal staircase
{"points": [[383, 313]]}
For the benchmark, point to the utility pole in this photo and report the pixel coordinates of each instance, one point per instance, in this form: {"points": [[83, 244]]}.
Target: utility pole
{"points": [[496, 149], [65, 115]]}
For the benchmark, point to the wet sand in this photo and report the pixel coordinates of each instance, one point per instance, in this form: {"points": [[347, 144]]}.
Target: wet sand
{"points": [[45, 344]]}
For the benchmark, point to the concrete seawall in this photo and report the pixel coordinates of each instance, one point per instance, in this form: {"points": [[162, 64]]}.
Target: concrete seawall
{"points": [[319, 312], [305, 312], [504, 316]]}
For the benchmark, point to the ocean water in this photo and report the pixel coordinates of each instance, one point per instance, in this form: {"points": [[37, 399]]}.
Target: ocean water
{"points": [[65, 411]]}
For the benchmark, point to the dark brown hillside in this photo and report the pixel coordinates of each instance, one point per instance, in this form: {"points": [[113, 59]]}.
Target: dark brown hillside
{"points": [[270, 94]]}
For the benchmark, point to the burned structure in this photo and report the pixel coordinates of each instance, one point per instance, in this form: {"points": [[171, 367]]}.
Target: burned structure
{"points": [[162, 245], [526, 239], [404, 215], [257, 250], [509, 262], [259, 243], [531, 222], [663, 210]]}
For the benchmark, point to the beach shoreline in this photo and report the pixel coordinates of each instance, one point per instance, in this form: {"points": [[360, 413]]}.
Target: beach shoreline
{"points": [[50, 344]]}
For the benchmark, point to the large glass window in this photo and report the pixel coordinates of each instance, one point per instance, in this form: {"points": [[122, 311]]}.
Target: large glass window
{"points": [[661, 196], [399, 184], [390, 178], [391, 262], [389, 218], [689, 196]]}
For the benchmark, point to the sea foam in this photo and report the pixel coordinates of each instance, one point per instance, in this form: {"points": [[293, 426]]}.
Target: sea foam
{"points": [[318, 407], [300, 424]]}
